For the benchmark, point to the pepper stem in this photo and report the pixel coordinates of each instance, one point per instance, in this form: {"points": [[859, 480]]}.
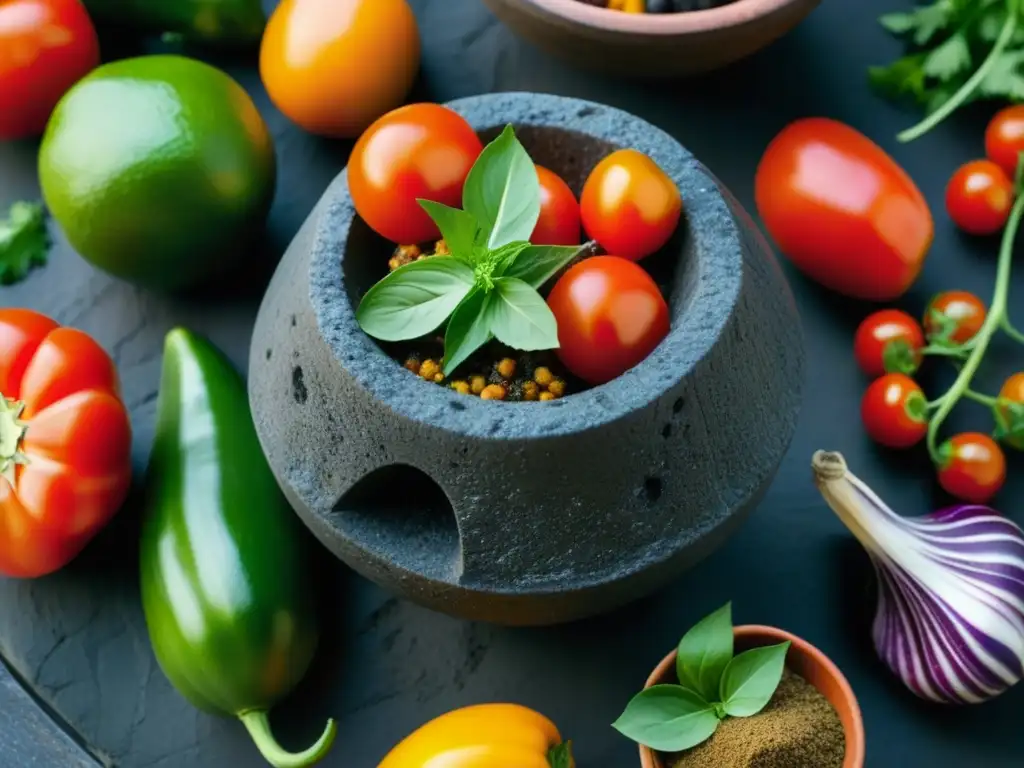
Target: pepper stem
{"points": [[12, 432], [258, 725]]}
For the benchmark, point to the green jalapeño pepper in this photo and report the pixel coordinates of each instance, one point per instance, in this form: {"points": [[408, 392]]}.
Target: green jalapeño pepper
{"points": [[228, 603], [214, 22]]}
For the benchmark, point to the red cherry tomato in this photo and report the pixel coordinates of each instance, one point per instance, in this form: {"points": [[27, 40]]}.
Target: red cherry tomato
{"points": [[973, 467], [892, 336], [954, 317], [979, 197], [610, 316], [629, 205], [559, 222], [1011, 410], [842, 210], [894, 411], [1004, 138], [46, 46], [417, 151]]}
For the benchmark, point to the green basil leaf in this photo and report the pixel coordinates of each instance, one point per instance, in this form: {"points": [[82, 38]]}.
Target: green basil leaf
{"points": [[458, 228], [705, 652], [468, 330], [668, 718], [751, 678], [536, 264], [502, 191], [520, 317], [560, 755], [414, 299], [505, 256]]}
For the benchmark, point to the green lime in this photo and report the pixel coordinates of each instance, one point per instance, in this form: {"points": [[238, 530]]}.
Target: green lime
{"points": [[159, 169]]}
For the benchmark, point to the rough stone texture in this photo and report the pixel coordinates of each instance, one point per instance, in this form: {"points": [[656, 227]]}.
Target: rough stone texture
{"points": [[532, 513]]}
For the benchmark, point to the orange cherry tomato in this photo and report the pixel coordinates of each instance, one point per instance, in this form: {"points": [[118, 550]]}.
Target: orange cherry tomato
{"points": [[979, 197], [888, 336], [842, 210], [418, 151], [954, 317], [610, 317], [65, 443], [1004, 138], [46, 46], [559, 222], [629, 205], [335, 66], [973, 467], [894, 411], [1010, 410]]}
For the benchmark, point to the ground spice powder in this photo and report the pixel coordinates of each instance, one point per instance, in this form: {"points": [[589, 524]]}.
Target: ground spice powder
{"points": [[798, 729]]}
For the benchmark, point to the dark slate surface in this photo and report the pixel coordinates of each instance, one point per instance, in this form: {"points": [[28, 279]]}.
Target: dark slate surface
{"points": [[386, 665]]}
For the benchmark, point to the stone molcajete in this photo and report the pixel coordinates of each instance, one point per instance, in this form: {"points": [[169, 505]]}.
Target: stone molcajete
{"points": [[537, 512]]}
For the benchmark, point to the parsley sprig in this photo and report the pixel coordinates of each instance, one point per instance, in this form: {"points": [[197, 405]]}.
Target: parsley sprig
{"points": [[960, 51], [24, 242]]}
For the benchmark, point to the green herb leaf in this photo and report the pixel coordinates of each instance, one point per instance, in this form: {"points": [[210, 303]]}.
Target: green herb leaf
{"points": [[1009, 416], [505, 256], [904, 77], [538, 263], [560, 755], [458, 228], [414, 299], [502, 191], [24, 242], [949, 59], [751, 678], [705, 652], [1004, 79], [898, 23], [468, 329], [668, 718], [521, 318]]}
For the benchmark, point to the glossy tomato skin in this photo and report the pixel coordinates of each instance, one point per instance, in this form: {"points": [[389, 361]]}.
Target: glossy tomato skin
{"points": [[841, 209], [1004, 138], [610, 316], [335, 66], [876, 336], [979, 197], [79, 434], [973, 467], [559, 222], [417, 151], [893, 411], [1011, 407], [630, 205], [963, 312], [46, 46]]}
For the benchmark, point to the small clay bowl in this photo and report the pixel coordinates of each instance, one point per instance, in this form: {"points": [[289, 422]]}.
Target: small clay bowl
{"points": [[651, 45], [804, 659]]}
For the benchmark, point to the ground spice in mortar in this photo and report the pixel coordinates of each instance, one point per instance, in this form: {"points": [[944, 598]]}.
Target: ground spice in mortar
{"points": [[798, 729]]}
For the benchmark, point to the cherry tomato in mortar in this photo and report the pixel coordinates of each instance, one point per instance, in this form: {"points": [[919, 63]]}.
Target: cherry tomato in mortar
{"points": [[973, 467], [888, 341], [417, 151], [559, 222], [610, 316], [629, 205], [954, 317], [46, 46], [894, 411], [842, 210], [1010, 411], [1004, 138], [979, 197]]}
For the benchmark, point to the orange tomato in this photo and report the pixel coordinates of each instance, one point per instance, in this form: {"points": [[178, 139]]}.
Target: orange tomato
{"points": [[335, 66], [65, 443], [1010, 408]]}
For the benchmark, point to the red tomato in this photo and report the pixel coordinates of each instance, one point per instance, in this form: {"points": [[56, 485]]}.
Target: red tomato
{"points": [[842, 210], [629, 205], [1011, 410], [954, 317], [888, 335], [973, 467], [610, 316], [559, 222], [417, 151], [46, 46], [1004, 138], [979, 197], [894, 411]]}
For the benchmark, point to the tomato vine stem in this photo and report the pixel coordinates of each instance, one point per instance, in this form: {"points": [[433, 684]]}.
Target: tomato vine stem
{"points": [[1012, 332]]}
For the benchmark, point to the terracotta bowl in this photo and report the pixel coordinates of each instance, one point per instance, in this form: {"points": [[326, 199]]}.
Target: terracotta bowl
{"points": [[804, 659], [651, 45]]}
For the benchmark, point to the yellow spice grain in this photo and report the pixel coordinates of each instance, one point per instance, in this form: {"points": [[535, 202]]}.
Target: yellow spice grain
{"points": [[493, 392], [543, 376], [557, 387], [429, 369], [462, 387], [413, 365], [531, 390], [477, 384], [546, 396], [507, 368]]}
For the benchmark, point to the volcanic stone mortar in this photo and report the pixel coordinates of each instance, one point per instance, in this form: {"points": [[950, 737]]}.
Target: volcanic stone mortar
{"points": [[535, 512]]}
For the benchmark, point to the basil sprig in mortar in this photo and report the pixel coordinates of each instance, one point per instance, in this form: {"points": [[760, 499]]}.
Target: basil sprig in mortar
{"points": [[487, 286]]}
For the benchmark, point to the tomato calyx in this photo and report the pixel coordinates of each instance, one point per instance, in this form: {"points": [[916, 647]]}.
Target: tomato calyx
{"points": [[916, 407], [12, 432], [944, 455], [560, 755], [1009, 416], [898, 356], [941, 329]]}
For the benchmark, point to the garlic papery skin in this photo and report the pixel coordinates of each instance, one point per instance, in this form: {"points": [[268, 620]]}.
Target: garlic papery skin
{"points": [[950, 616]]}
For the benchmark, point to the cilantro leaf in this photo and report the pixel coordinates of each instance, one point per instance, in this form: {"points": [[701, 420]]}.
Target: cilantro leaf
{"points": [[949, 59], [24, 242]]}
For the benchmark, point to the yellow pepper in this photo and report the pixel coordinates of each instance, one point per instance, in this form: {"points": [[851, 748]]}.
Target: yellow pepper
{"points": [[484, 736], [629, 6]]}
